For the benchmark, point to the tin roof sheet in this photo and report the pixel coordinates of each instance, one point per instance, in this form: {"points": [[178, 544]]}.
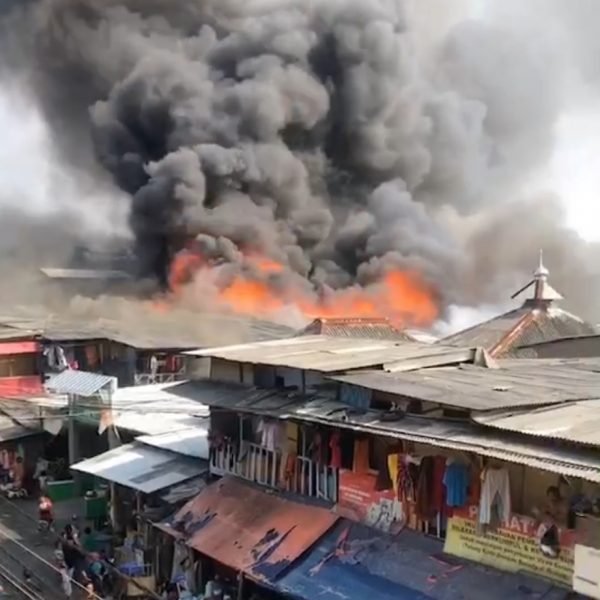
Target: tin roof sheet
{"points": [[142, 468], [249, 529], [442, 433], [568, 346], [522, 326], [80, 383], [12, 429], [188, 442], [147, 328], [185, 490], [478, 388], [158, 408], [12, 333], [327, 354], [576, 422], [356, 328]]}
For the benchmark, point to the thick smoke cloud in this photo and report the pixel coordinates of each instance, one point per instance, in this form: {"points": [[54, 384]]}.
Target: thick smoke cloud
{"points": [[326, 134]]}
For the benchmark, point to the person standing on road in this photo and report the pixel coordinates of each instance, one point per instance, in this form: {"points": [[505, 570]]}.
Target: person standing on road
{"points": [[71, 549], [46, 512], [65, 576]]}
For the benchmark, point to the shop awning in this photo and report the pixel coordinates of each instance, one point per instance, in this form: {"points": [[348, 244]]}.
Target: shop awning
{"points": [[142, 468], [249, 529], [355, 562]]}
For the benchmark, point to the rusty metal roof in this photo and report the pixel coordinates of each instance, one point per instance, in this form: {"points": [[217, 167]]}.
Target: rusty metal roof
{"points": [[249, 529], [442, 433], [576, 422], [478, 388], [330, 354], [523, 326], [380, 329]]}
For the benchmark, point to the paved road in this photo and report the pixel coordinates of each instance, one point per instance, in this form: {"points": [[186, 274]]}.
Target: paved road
{"points": [[22, 546]]}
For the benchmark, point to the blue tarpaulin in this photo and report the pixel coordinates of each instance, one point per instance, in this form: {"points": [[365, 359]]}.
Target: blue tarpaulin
{"points": [[321, 575], [354, 562]]}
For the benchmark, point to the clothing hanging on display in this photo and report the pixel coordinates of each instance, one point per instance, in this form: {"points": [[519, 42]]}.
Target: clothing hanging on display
{"points": [[475, 486], [495, 496], [456, 480], [336, 451], [381, 450], [315, 449], [424, 492], [408, 474], [438, 490], [291, 433], [271, 434], [361, 456], [393, 461]]}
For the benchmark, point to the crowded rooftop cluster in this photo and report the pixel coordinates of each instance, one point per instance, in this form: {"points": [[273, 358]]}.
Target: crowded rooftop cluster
{"points": [[343, 459]]}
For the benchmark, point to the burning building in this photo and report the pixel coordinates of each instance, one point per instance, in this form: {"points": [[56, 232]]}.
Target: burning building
{"points": [[324, 157]]}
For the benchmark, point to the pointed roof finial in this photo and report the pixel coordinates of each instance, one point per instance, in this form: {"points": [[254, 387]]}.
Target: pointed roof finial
{"points": [[543, 292], [541, 272]]}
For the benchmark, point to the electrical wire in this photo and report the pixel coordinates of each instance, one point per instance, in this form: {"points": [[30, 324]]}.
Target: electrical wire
{"points": [[16, 583]]}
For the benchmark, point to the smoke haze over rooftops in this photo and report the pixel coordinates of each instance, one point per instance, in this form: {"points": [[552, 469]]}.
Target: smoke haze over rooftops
{"points": [[340, 139]]}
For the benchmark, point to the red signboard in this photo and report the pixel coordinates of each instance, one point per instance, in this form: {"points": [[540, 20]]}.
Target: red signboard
{"points": [[29, 385], [360, 501], [26, 347]]}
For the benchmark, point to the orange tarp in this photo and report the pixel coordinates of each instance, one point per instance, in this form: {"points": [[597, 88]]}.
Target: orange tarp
{"points": [[251, 530]]}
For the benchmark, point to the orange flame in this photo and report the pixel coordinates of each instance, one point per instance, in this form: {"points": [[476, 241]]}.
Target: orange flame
{"points": [[401, 296]]}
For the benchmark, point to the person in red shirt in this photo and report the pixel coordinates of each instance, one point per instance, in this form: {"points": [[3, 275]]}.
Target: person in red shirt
{"points": [[46, 512]]}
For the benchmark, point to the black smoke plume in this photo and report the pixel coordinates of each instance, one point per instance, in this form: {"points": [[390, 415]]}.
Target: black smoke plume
{"points": [[323, 133]]}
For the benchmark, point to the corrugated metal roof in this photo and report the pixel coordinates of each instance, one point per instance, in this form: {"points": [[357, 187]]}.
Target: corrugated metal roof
{"points": [[142, 468], [10, 429], [546, 365], [359, 328], [157, 408], [354, 562], [577, 421], [571, 346], [189, 442], [523, 326], [442, 433], [80, 383], [148, 328], [184, 491], [327, 354], [12, 333], [248, 529], [478, 388]]}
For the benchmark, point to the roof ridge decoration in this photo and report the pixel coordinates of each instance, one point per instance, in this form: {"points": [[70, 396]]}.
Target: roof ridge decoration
{"points": [[543, 293]]}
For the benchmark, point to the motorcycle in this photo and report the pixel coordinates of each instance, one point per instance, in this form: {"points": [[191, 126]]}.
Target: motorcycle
{"points": [[13, 493]]}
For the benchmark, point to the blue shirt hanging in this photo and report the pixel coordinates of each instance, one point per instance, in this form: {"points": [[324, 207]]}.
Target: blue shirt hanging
{"points": [[456, 480]]}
